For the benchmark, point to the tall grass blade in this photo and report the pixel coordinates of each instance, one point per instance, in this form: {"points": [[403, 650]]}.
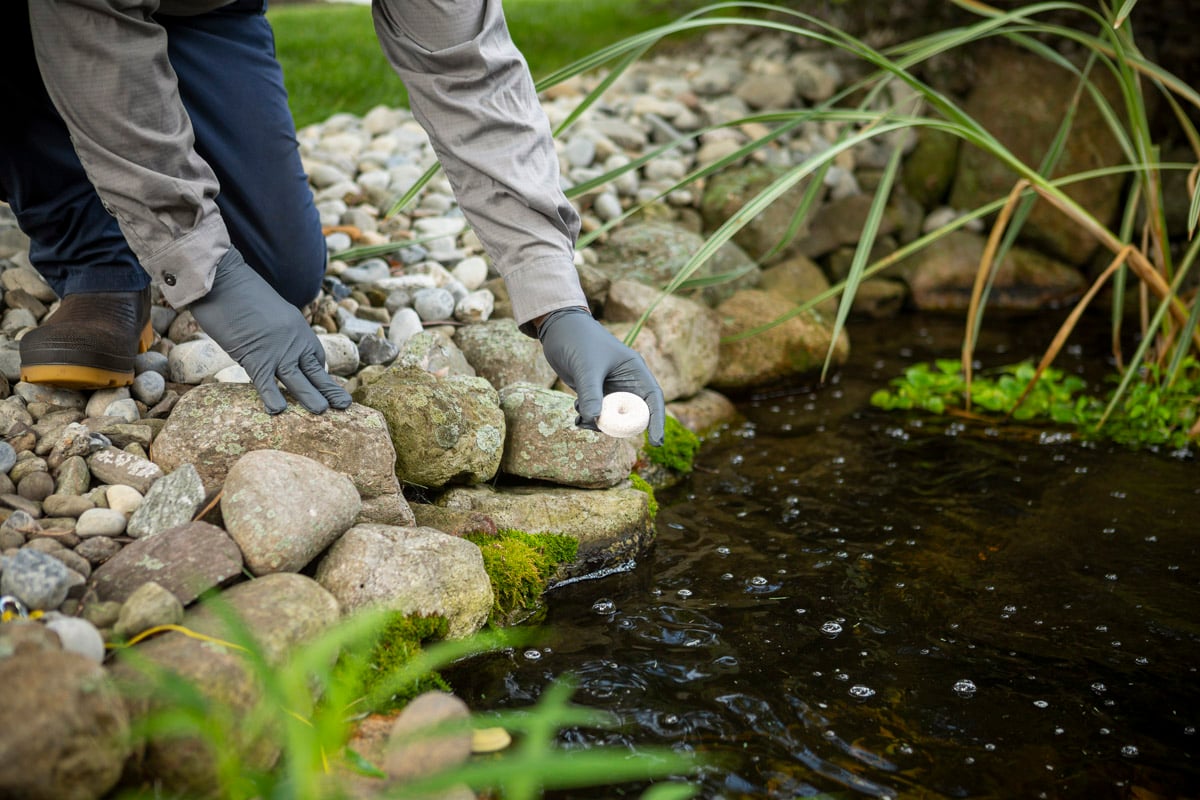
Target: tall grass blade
{"points": [[862, 251]]}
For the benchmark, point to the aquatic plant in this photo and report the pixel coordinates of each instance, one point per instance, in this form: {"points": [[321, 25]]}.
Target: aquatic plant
{"points": [[1153, 413]]}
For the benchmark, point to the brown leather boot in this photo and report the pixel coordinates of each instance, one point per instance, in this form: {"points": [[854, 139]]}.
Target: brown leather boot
{"points": [[90, 341]]}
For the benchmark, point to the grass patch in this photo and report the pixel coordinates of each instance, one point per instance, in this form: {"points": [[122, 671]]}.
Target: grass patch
{"points": [[332, 61], [520, 565]]}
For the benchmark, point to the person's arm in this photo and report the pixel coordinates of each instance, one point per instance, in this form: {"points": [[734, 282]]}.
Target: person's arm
{"points": [[105, 66], [470, 89]]}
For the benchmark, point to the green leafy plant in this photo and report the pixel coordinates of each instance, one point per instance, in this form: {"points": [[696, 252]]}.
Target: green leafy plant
{"points": [[1153, 413]]}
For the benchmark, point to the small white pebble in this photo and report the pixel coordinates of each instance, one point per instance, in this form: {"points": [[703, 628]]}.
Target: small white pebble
{"points": [[623, 415], [125, 499]]}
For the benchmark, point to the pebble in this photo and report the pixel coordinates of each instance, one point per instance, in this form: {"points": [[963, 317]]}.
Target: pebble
{"points": [[149, 386], [124, 499], [433, 304], [77, 635], [100, 522], [38, 580]]}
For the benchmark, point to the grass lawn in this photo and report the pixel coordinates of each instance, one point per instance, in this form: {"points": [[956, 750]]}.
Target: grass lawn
{"points": [[332, 61]]}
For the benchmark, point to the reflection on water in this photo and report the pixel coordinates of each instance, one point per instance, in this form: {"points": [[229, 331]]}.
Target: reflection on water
{"points": [[851, 602]]}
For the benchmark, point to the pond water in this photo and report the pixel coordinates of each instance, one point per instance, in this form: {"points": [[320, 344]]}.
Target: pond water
{"points": [[850, 602]]}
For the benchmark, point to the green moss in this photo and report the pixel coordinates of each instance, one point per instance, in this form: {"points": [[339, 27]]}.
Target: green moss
{"points": [[520, 565], [678, 450], [375, 664], [640, 484]]}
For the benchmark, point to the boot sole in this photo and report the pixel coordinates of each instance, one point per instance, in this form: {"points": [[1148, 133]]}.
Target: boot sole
{"points": [[83, 376]]}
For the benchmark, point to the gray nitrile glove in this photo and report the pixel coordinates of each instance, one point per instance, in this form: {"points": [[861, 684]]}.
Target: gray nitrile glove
{"points": [[268, 336], [593, 362]]}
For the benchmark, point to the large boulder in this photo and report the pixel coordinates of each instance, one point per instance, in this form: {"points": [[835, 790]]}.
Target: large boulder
{"points": [[653, 253], [187, 561], [214, 425], [796, 346], [612, 526], [280, 611], [544, 443], [687, 336], [941, 277], [1020, 97], [64, 729], [411, 570], [444, 429], [729, 190]]}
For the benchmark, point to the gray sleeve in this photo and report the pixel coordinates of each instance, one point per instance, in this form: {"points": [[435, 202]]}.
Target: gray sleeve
{"points": [[470, 89], [105, 66]]}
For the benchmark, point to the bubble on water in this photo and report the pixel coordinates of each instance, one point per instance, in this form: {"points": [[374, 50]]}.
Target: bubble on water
{"points": [[533, 655], [604, 606], [1102, 629], [905, 749], [841, 676], [1105, 731], [670, 719], [1141, 661], [1059, 731], [1129, 751], [969, 760], [831, 629], [830, 734], [1041, 703], [964, 687], [626, 624], [684, 593], [861, 692], [722, 550], [1099, 688], [726, 576], [1151, 539], [655, 592], [991, 748], [1190, 730], [757, 580], [1112, 576]]}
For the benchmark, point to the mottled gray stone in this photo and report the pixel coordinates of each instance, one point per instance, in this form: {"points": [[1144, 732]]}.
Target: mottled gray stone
{"points": [[187, 560], [172, 501]]}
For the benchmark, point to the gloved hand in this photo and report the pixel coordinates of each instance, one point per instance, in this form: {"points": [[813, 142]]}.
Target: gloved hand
{"points": [[593, 362], [268, 336]]}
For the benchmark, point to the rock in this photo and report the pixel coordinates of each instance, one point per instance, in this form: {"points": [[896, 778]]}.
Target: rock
{"points": [[212, 426], [687, 335], [76, 635], [280, 611], [414, 751], [941, 277], [410, 570], [798, 279], [443, 430], [500, 353], [125, 499], [544, 443], [283, 509], [38, 580], [730, 189], [435, 353], [149, 606], [173, 501], [1019, 97], [704, 411], [794, 347], [475, 307], [65, 734], [187, 561], [341, 354], [655, 252], [111, 465], [612, 526], [100, 522], [192, 362], [19, 636]]}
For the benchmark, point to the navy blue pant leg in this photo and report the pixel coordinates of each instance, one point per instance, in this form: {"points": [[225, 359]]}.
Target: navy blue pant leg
{"points": [[232, 87], [233, 90], [76, 244]]}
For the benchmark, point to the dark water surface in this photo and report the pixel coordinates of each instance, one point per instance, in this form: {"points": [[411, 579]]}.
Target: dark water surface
{"points": [[847, 601]]}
